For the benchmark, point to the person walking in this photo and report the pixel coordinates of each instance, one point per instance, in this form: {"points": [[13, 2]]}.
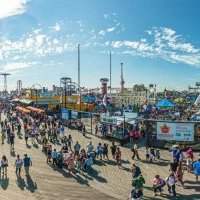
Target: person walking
{"points": [[27, 163], [135, 152], [158, 184], [12, 141], [18, 165], [179, 175], [196, 168], [171, 184], [77, 148], [54, 157], [118, 155], [26, 136], [8, 130], [4, 166], [113, 149], [105, 151], [96, 129], [3, 134], [136, 171], [69, 142], [90, 148], [99, 151]]}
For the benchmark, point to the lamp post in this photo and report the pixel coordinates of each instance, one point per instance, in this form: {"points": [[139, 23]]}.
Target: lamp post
{"points": [[124, 124], [36, 97]]}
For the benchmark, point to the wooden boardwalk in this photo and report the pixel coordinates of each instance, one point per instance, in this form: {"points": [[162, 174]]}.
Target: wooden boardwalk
{"points": [[45, 183], [107, 182]]}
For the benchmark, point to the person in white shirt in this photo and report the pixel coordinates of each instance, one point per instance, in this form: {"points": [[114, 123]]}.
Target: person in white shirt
{"points": [[90, 147], [18, 165], [171, 184]]}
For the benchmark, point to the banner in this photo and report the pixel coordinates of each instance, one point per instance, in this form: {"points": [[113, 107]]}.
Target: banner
{"points": [[108, 120], [65, 113], [175, 131]]}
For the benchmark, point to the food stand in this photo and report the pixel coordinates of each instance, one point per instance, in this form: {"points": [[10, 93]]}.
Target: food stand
{"points": [[118, 126]]}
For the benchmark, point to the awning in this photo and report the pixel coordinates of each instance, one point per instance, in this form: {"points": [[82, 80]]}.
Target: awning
{"points": [[33, 109], [25, 101], [15, 100], [133, 122], [21, 109]]}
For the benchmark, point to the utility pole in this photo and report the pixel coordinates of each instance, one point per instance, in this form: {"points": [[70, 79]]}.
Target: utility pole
{"points": [[79, 80], [110, 72], [79, 77]]}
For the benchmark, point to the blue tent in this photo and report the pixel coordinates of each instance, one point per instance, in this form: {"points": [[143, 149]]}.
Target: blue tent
{"points": [[165, 104]]}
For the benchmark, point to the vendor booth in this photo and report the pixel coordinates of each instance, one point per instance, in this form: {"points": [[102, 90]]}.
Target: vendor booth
{"points": [[117, 127]]}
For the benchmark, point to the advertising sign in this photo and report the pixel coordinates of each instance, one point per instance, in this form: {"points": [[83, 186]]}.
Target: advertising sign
{"points": [[175, 131], [74, 114], [88, 99], [108, 120], [65, 113]]}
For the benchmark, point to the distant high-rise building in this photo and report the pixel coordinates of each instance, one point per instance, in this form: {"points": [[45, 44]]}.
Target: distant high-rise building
{"points": [[122, 78], [19, 87]]}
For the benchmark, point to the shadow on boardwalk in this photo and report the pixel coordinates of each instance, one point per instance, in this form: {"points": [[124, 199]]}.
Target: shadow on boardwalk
{"points": [[178, 197], [82, 177], [4, 183], [26, 183]]}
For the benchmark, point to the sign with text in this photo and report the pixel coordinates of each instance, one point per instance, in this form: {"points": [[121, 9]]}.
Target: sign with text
{"points": [[175, 131]]}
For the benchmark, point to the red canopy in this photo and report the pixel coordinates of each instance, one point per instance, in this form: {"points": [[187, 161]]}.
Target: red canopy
{"points": [[33, 109], [22, 109]]}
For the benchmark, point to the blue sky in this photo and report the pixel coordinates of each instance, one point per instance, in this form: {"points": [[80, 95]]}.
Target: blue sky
{"points": [[157, 40]]}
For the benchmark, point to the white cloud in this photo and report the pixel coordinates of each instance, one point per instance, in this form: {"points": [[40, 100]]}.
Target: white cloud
{"points": [[17, 66], [164, 43], [34, 45], [40, 39], [102, 32], [12, 7], [111, 29], [57, 27]]}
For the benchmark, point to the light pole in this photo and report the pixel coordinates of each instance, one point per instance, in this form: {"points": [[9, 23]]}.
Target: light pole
{"points": [[36, 97], [110, 72], [66, 81]]}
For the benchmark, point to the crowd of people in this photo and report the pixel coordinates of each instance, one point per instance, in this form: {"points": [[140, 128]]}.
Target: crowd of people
{"points": [[63, 152], [59, 147]]}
